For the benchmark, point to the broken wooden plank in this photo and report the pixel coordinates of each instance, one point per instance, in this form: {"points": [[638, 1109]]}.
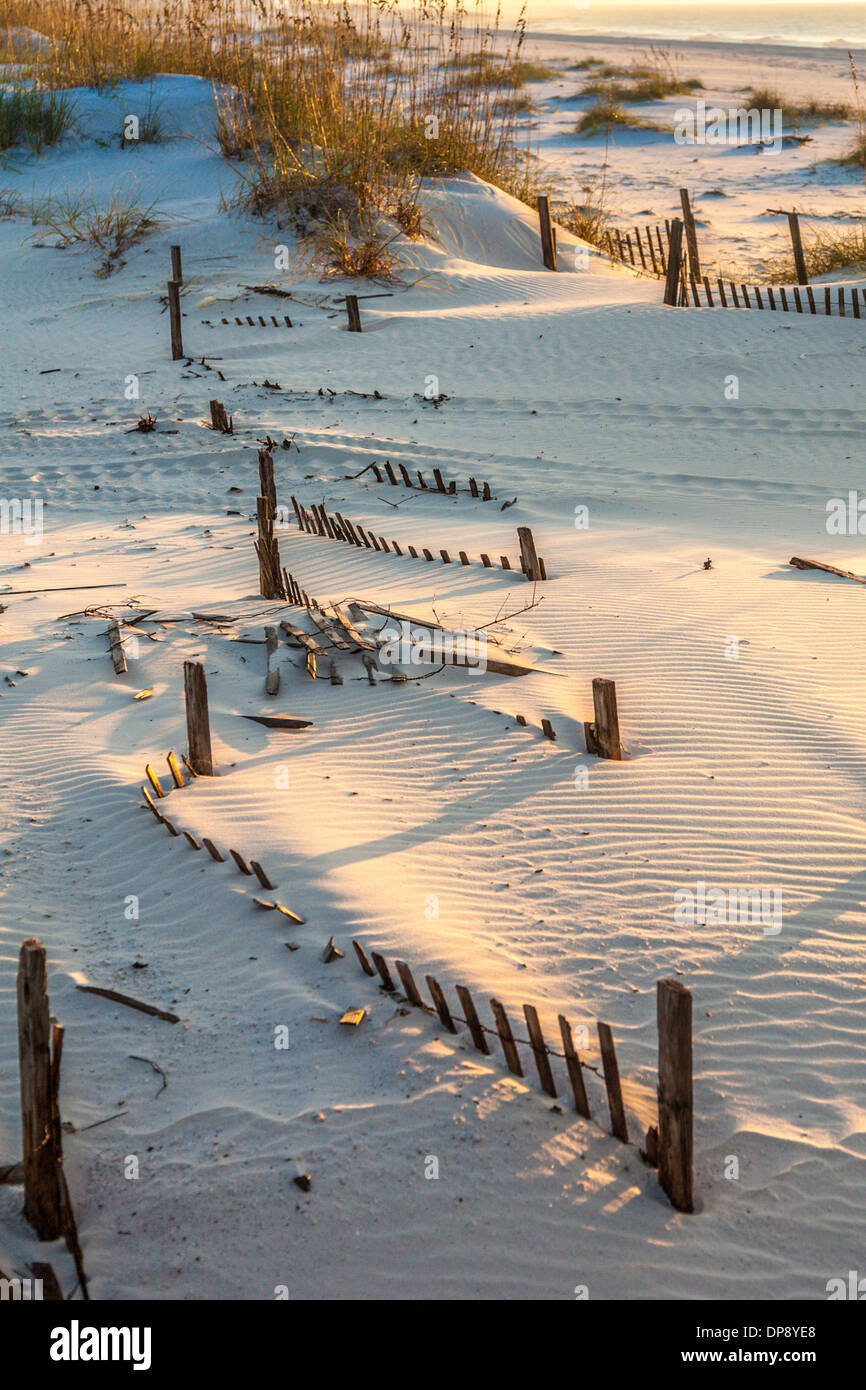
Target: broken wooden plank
{"points": [[310, 643], [328, 630]]}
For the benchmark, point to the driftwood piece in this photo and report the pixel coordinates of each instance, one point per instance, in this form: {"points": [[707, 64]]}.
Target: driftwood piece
{"points": [[130, 1003], [828, 569], [279, 721]]}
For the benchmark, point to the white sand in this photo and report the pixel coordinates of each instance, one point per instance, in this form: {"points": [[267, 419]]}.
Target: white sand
{"points": [[566, 390]]}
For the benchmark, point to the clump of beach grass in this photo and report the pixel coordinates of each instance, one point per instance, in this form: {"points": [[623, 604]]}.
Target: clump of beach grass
{"points": [[111, 226], [825, 250], [33, 118], [798, 113], [605, 113], [655, 76], [589, 219]]}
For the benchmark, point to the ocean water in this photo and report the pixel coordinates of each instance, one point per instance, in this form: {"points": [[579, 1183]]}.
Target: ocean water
{"points": [[822, 23]]}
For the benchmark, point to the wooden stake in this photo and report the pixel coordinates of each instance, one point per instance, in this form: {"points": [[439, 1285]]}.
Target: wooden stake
{"points": [[675, 261], [197, 719], [115, 644], [506, 1037], [539, 1049], [174, 320], [176, 265], [40, 1128], [472, 1021], [797, 244], [219, 420], [384, 973], [575, 1070], [602, 737], [528, 556], [353, 313], [548, 244], [691, 233], [611, 1080], [676, 1142], [441, 1004], [410, 989], [362, 957], [272, 677]]}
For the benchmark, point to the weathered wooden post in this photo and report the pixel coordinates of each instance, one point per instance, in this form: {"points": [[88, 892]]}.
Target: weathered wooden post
{"points": [[548, 242], [572, 1062], [174, 318], [529, 561], [197, 719], [602, 736], [799, 258], [219, 420], [618, 1127], [40, 1074], [676, 1118], [675, 263], [353, 313], [691, 234], [272, 674], [176, 265]]}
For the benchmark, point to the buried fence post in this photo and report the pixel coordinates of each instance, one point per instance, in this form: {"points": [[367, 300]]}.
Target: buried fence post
{"points": [[799, 258], [618, 1127], [529, 560], [691, 234], [675, 1129], [219, 420], [40, 1074], [174, 319], [353, 313], [548, 241], [197, 720], [602, 736], [176, 265], [675, 260]]}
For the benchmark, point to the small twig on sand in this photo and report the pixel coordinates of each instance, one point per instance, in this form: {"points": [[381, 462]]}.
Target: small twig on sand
{"points": [[156, 1067]]}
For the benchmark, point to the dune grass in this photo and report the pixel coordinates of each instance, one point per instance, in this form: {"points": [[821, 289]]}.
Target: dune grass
{"points": [[589, 219], [331, 114], [651, 78], [111, 226], [605, 113], [798, 113], [33, 118]]}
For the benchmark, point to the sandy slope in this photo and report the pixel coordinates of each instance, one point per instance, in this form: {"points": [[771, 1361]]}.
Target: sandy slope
{"points": [[566, 390]]}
